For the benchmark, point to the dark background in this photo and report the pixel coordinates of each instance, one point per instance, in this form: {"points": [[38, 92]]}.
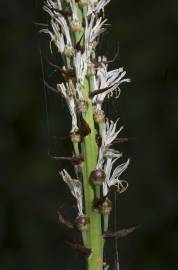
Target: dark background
{"points": [[31, 191]]}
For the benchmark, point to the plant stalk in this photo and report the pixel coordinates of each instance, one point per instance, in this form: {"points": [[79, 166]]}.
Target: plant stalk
{"points": [[90, 153]]}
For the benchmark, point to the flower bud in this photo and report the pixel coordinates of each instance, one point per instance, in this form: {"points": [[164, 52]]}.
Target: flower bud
{"points": [[75, 137], [106, 207], [99, 116], [82, 223], [98, 177], [82, 106]]}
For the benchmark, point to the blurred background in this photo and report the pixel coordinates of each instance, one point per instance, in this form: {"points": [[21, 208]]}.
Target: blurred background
{"points": [[33, 122]]}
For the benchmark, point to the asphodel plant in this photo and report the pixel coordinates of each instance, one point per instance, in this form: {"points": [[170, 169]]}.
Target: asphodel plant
{"points": [[75, 29]]}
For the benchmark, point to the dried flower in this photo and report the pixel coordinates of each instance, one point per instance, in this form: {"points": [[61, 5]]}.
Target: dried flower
{"points": [[71, 104], [75, 187]]}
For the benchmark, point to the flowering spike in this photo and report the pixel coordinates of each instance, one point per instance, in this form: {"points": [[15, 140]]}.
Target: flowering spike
{"points": [[75, 27]]}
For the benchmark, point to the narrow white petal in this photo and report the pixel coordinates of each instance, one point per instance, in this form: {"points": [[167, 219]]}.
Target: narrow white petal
{"points": [[117, 172]]}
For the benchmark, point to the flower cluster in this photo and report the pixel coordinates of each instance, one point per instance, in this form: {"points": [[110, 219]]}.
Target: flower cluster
{"points": [[75, 28], [108, 156]]}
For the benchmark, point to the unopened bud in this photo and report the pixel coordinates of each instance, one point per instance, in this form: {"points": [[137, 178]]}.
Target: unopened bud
{"points": [[82, 223], [98, 177], [106, 207]]}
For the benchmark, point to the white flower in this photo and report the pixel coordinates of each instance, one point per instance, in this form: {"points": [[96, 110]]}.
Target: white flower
{"points": [[71, 104], [56, 36], [94, 29], [108, 134], [96, 6], [80, 65], [109, 80], [49, 11], [75, 187], [112, 157], [113, 180], [75, 23], [74, 11], [54, 4], [97, 29], [61, 33], [65, 30], [101, 5]]}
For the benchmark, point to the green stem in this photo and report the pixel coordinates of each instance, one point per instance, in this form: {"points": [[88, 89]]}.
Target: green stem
{"points": [[106, 222], [76, 149], [97, 192], [90, 153]]}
